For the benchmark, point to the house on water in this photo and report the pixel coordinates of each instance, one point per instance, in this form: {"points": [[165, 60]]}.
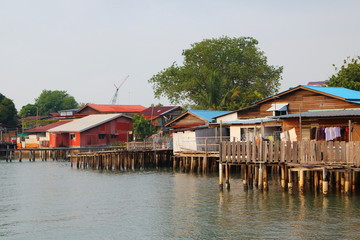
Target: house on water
{"points": [[191, 132], [92, 130], [38, 137], [267, 119]]}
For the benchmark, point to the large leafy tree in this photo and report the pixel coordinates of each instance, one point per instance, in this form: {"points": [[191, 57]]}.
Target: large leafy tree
{"points": [[142, 127], [348, 75], [49, 101], [219, 74], [8, 111], [53, 101], [28, 110]]}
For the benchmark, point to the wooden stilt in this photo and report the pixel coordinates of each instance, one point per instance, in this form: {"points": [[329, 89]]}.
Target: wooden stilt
{"points": [[261, 178], [227, 176], [220, 176], [265, 179], [301, 180], [325, 183], [245, 176]]}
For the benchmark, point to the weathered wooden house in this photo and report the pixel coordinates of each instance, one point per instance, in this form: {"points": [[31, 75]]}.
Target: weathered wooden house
{"points": [[93, 130], [191, 132], [161, 115], [129, 110], [259, 120], [339, 125]]}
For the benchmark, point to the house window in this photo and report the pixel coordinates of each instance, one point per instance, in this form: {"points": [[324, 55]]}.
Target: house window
{"points": [[278, 109], [113, 136], [102, 136], [280, 113], [72, 136]]}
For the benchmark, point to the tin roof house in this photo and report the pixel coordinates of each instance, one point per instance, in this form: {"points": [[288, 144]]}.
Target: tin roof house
{"points": [[92, 130], [161, 115], [191, 132], [129, 110], [38, 137], [266, 118]]}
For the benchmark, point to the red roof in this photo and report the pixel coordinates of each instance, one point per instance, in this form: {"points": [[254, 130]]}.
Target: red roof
{"points": [[115, 108], [47, 127], [154, 112], [31, 118]]}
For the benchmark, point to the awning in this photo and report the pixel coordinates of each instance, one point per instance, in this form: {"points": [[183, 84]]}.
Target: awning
{"points": [[278, 107]]}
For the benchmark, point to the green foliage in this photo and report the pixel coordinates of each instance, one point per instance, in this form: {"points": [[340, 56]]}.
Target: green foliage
{"points": [[28, 110], [219, 74], [142, 127], [8, 111], [53, 101], [348, 76]]}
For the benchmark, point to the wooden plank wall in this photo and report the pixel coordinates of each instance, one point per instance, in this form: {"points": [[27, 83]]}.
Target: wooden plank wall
{"points": [[304, 152]]}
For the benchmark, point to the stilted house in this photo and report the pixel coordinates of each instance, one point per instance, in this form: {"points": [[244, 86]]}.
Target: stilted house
{"points": [[191, 132], [263, 120], [93, 130], [129, 110], [337, 125], [161, 115], [38, 137]]}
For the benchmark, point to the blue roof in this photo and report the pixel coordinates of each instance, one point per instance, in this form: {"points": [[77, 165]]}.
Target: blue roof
{"points": [[249, 121], [208, 115], [345, 93]]}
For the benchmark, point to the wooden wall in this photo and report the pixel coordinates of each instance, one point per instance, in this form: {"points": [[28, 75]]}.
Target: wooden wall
{"points": [[188, 120], [299, 100]]}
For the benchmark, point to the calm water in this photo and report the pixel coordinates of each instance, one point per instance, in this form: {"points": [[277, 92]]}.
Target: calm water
{"points": [[50, 200]]}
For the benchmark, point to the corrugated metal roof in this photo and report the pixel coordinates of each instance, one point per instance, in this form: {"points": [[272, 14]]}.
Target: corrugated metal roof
{"points": [[208, 115], [338, 92], [248, 121], [45, 128], [115, 108], [154, 112], [335, 113], [85, 123], [345, 93]]}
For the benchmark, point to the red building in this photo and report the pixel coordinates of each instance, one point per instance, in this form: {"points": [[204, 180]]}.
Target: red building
{"points": [[93, 130], [129, 110]]}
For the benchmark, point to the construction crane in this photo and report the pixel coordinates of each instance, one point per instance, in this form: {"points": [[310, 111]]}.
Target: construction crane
{"points": [[114, 99]]}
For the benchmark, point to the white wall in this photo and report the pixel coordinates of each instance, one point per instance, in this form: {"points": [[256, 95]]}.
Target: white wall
{"points": [[227, 118], [184, 141], [235, 133]]}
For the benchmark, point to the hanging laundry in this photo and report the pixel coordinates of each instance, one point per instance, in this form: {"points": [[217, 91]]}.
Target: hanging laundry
{"points": [[283, 136], [292, 134]]}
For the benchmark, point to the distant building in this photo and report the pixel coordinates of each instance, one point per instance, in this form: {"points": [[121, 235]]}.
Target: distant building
{"points": [[92, 130], [38, 137], [129, 110], [160, 116], [318, 83], [191, 132]]}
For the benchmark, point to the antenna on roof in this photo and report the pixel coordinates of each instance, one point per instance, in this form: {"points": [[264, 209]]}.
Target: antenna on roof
{"points": [[114, 99]]}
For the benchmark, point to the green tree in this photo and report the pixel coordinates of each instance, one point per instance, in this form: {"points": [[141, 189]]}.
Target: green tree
{"points": [[53, 101], [28, 110], [348, 76], [142, 127], [222, 74], [8, 111]]}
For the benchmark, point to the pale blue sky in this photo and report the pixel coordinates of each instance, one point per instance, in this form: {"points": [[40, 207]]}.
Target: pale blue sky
{"points": [[85, 46]]}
